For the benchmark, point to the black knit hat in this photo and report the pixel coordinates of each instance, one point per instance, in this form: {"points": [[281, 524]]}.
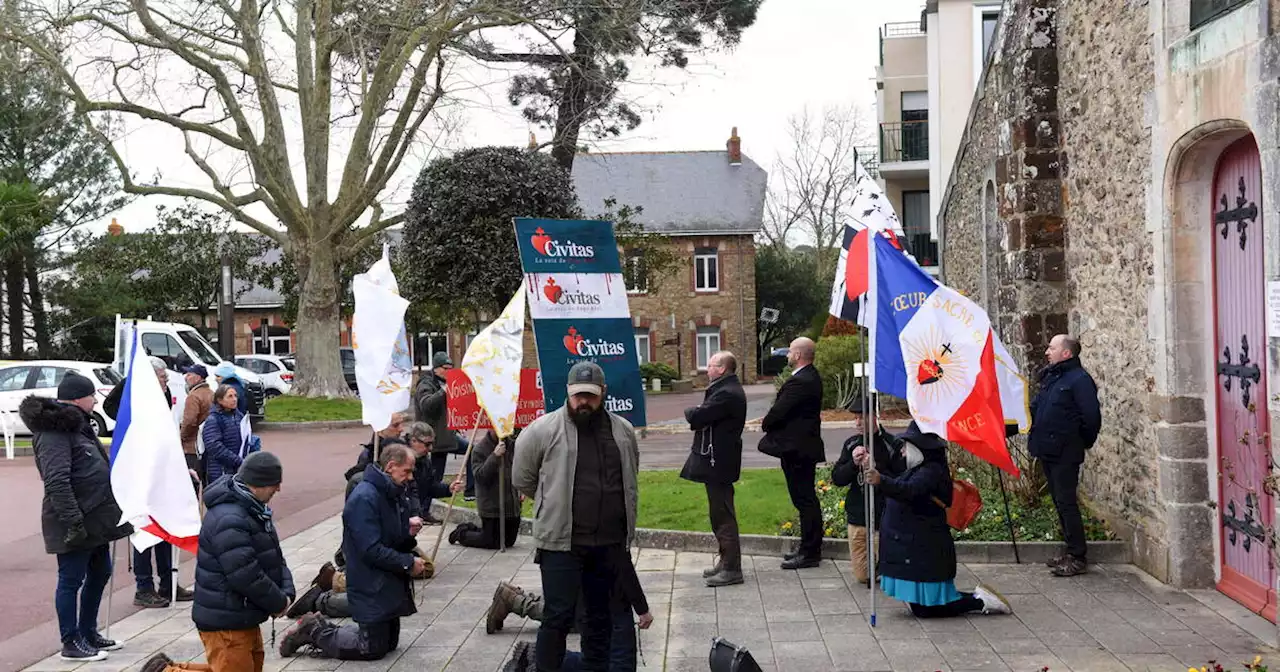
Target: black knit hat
{"points": [[261, 470], [75, 386]]}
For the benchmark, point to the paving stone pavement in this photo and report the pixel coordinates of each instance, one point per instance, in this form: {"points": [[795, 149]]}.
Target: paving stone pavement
{"points": [[1114, 618]]}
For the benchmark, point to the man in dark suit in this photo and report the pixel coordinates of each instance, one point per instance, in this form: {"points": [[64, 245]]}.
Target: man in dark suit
{"points": [[793, 432], [716, 460]]}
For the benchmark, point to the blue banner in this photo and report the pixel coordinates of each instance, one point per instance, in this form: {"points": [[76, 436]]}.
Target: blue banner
{"points": [[567, 246], [610, 343]]}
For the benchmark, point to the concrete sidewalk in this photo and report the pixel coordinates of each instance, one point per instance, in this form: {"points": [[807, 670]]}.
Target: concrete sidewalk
{"points": [[1115, 618]]}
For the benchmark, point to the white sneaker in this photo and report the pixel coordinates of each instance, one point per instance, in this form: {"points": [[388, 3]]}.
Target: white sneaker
{"points": [[992, 602]]}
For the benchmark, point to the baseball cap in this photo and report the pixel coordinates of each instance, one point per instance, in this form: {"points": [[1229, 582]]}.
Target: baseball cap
{"points": [[197, 369], [586, 377]]}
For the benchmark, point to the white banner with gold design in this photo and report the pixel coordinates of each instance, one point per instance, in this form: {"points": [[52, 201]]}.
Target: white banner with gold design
{"points": [[493, 364], [384, 370]]}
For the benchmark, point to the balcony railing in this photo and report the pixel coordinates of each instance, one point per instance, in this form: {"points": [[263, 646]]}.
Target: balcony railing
{"points": [[904, 141], [899, 29], [870, 160]]}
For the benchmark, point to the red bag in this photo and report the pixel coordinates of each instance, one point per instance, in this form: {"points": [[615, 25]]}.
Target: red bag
{"points": [[966, 503]]}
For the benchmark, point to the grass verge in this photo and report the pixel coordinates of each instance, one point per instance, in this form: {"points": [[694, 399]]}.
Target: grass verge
{"points": [[288, 408]]}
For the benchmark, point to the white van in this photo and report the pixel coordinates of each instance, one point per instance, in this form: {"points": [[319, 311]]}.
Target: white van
{"points": [[181, 344]]}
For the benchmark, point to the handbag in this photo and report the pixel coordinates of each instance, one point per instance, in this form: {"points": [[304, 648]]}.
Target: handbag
{"points": [[966, 503], [728, 657]]}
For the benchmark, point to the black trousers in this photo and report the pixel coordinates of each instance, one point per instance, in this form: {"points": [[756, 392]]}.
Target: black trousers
{"points": [[800, 476], [584, 573], [966, 604], [1064, 479], [486, 536], [724, 523]]}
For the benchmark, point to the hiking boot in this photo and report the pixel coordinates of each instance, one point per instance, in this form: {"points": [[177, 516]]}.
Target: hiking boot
{"points": [[520, 658], [149, 599], [339, 560], [428, 519], [1056, 559], [305, 604], [724, 577], [184, 594], [1071, 566], [79, 651], [324, 578], [101, 643], [801, 562], [992, 602], [454, 534], [504, 600], [300, 635], [715, 569], [157, 663]]}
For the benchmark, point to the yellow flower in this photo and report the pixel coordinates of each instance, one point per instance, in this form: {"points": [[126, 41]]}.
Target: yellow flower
{"points": [[828, 532], [821, 483], [786, 525], [841, 505]]}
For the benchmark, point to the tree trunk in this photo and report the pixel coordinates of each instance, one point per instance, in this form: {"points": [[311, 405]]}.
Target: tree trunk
{"points": [[13, 280], [572, 108], [319, 371], [39, 318]]}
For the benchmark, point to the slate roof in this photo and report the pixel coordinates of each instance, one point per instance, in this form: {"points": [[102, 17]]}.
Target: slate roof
{"points": [[681, 192]]}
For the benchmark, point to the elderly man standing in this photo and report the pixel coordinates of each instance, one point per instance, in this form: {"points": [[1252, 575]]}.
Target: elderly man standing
{"points": [[1065, 421], [579, 463], [716, 460], [793, 432], [195, 411]]}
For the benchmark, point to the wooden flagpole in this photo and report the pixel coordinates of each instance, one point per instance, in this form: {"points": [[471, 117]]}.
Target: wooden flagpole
{"points": [[454, 497]]}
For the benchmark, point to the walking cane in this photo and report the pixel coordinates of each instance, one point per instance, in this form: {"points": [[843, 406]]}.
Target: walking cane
{"points": [[454, 497]]}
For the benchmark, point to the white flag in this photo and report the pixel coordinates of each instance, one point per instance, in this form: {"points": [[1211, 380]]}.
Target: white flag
{"points": [[493, 364], [384, 370]]}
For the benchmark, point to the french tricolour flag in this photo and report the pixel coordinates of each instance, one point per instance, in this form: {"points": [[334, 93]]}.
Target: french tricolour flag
{"points": [[935, 348], [149, 474]]}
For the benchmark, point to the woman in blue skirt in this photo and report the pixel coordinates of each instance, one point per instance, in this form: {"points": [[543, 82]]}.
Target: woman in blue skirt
{"points": [[917, 554]]}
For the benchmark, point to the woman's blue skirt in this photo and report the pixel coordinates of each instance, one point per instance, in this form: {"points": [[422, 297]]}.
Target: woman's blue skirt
{"points": [[931, 594]]}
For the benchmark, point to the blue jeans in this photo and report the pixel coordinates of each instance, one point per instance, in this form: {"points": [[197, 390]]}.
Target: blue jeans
{"points": [[583, 572], [163, 552], [82, 578]]}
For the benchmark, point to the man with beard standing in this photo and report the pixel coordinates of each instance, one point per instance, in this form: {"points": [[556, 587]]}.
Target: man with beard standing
{"points": [[793, 432], [579, 462], [716, 460]]}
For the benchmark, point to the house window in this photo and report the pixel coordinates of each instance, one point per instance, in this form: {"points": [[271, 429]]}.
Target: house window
{"points": [[914, 141], [985, 19], [272, 340], [915, 223], [635, 272], [989, 21], [429, 344], [1204, 11], [642, 345], [706, 270], [708, 344]]}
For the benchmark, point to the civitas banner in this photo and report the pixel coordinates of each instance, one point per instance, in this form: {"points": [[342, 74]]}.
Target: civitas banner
{"points": [[578, 302]]}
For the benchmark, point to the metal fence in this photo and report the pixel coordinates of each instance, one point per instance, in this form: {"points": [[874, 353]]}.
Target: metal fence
{"points": [[904, 141]]}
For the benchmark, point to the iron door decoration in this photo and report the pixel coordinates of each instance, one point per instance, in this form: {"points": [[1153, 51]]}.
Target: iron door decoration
{"points": [[1245, 509]]}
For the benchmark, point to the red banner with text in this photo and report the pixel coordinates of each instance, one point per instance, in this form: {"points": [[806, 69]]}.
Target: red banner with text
{"points": [[464, 408]]}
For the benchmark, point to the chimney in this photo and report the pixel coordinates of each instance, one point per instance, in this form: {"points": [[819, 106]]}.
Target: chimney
{"points": [[735, 148], [114, 228]]}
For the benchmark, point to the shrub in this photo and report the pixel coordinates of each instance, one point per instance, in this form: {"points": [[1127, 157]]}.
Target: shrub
{"points": [[835, 358], [660, 370], [838, 327]]}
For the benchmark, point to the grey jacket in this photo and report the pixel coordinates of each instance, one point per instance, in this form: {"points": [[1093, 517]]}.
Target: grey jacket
{"points": [[545, 460], [431, 405]]}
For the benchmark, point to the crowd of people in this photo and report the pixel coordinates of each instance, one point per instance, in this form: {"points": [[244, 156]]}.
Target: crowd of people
{"points": [[578, 463]]}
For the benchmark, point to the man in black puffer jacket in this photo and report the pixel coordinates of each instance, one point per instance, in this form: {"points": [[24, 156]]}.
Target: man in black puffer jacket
{"points": [[241, 576], [79, 517]]}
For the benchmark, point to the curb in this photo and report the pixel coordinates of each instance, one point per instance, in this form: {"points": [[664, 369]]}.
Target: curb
{"points": [[320, 425], [977, 552]]}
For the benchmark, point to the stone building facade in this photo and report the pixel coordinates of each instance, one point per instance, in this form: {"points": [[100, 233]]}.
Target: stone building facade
{"points": [[1095, 193]]}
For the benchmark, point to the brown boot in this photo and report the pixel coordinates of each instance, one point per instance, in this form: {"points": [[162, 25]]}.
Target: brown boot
{"points": [[504, 600], [324, 578]]}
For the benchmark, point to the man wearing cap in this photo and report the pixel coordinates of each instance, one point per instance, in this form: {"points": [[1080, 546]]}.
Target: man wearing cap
{"points": [[431, 402], [225, 374], [195, 411], [241, 575], [79, 516], [579, 463]]}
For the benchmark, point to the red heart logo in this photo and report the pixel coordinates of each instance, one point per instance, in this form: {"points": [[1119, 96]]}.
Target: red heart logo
{"points": [[552, 290], [929, 371], [572, 340], [540, 240]]}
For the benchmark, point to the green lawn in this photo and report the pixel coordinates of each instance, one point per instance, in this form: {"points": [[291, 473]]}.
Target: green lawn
{"points": [[288, 408]]}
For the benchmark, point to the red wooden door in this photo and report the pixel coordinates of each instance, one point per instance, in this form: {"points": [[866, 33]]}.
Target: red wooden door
{"points": [[1244, 446]]}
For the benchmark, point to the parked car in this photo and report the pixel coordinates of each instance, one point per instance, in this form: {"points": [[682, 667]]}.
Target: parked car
{"points": [[348, 365], [22, 379], [276, 373], [775, 362]]}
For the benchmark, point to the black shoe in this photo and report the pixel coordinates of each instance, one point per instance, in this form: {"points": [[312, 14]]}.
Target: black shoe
{"points": [[305, 604], [157, 663], [101, 643], [1055, 560], [469, 498], [149, 599], [1071, 566], [184, 594], [300, 635], [339, 560], [715, 569], [791, 555], [431, 520], [454, 534], [80, 651], [801, 562], [519, 658], [723, 578]]}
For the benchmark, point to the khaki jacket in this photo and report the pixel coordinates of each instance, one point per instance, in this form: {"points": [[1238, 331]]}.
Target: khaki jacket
{"points": [[196, 411], [545, 461]]}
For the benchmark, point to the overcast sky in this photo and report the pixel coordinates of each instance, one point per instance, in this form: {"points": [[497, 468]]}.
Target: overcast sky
{"points": [[799, 53]]}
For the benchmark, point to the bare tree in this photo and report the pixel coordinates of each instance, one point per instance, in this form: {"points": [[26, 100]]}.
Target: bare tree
{"points": [[265, 95], [813, 184]]}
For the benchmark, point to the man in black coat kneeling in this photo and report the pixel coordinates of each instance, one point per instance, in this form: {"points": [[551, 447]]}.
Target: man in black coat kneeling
{"points": [[716, 460]]}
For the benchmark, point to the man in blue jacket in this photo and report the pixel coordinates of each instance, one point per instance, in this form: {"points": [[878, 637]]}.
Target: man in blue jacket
{"points": [[1065, 420], [380, 567]]}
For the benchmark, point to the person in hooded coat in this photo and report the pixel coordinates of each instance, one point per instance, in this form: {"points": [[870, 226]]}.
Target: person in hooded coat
{"points": [[917, 553]]}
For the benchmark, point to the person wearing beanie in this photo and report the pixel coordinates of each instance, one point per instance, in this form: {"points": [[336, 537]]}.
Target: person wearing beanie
{"points": [[79, 516], [241, 575], [430, 405]]}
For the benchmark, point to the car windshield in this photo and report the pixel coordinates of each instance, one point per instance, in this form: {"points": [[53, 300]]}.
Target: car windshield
{"points": [[108, 376], [200, 346]]}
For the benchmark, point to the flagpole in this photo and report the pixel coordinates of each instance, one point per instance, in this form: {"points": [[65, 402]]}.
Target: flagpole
{"points": [[454, 497], [502, 503], [173, 578], [1007, 517], [111, 591], [873, 285]]}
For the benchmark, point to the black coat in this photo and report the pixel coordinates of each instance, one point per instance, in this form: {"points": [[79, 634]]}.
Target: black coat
{"points": [[915, 541], [378, 549], [241, 575], [1065, 415], [793, 426], [845, 473], [77, 478], [431, 405], [486, 467], [716, 454]]}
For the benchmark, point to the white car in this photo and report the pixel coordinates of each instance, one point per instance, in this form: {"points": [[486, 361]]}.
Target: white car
{"points": [[276, 372], [18, 380]]}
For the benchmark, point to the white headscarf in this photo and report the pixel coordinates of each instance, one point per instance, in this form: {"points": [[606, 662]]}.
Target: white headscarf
{"points": [[912, 454]]}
